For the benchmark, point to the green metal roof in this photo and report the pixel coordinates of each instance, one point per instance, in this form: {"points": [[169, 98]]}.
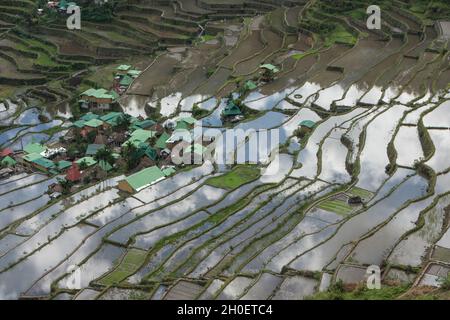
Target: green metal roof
{"points": [[307, 123], [123, 67], [93, 148], [90, 161], [112, 118], [145, 177], [104, 165], [79, 123], [31, 157], [168, 171], [231, 109], [151, 153], [270, 67], [100, 94], [110, 115], [126, 81], [144, 124], [188, 120], [43, 162], [134, 73], [34, 148], [89, 116], [63, 164], [181, 125], [8, 161], [142, 135], [250, 85], [93, 123], [138, 136], [161, 142]]}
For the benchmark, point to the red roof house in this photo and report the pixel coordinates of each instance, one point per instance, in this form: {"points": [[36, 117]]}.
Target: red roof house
{"points": [[5, 152], [73, 173]]}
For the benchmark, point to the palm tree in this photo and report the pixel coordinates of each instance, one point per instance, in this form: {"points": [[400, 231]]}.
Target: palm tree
{"points": [[105, 154], [129, 152]]}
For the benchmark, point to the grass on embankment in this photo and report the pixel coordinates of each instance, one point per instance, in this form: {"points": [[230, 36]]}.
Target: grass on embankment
{"points": [[133, 259], [337, 292], [365, 194], [337, 206], [237, 177]]}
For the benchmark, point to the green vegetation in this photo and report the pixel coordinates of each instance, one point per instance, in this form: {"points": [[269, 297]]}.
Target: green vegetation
{"points": [[365, 194], [336, 206], [341, 35], [133, 259], [237, 177], [338, 292]]}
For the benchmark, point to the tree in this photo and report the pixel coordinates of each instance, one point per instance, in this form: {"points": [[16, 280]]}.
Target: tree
{"points": [[123, 123], [65, 185], [105, 154], [83, 165], [129, 152]]}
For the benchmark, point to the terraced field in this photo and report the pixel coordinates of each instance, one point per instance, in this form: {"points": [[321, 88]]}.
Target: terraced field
{"points": [[367, 184]]}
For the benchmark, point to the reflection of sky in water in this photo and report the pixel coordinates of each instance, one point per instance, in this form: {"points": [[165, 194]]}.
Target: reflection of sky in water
{"points": [[147, 240], [308, 156], [300, 95], [328, 95], [373, 96], [440, 160], [167, 186], [334, 154], [268, 103], [360, 224], [374, 157], [200, 198], [20, 277], [374, 249], [352, 96], [20, 183], [439, 117], [408, 146], [414, 116]]}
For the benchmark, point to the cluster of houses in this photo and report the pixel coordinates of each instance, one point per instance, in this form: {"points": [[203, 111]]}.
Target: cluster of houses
{"points": [[59, 6], [102, 99], [7, 162], [112, 140], [121, 137], [123, 78]]}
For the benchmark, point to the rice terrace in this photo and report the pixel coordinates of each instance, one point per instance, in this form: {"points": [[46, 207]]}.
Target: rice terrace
{"points": [[224, 149]]}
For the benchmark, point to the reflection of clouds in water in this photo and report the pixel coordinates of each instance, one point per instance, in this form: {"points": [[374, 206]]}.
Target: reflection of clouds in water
{"points": [[19, 278], [334, 154], [373, 157], [328, 95], [360, 224], [439, 117], [200, 198], [440, 160]]}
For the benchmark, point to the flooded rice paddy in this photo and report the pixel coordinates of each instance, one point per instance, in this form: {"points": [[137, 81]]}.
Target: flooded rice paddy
{"points": [[378, 135]]}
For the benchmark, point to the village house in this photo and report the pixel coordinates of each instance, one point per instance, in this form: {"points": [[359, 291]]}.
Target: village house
{"points": [[231, 112], [123, 69], [98, 99], [141, 179], [268, 72], [139, 136], [86, 161], [307, 126]]}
